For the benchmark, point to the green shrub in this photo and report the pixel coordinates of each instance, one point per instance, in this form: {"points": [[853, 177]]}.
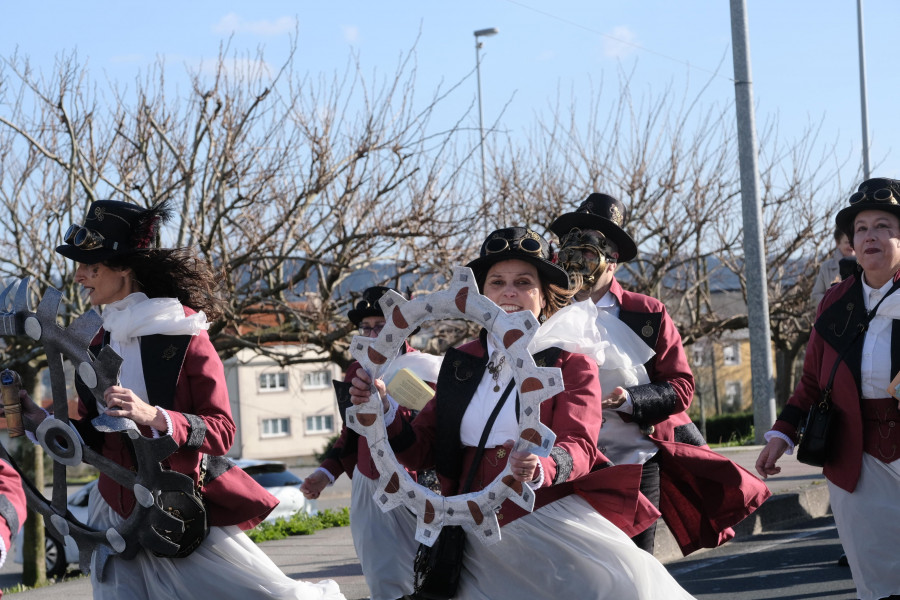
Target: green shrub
{"points": [[299, 523], [733, 429]]}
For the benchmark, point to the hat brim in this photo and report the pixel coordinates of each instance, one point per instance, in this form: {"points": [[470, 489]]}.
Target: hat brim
{"points": [[548, 272], [88, 257], [356, 316], [845, 217], [583, 220]]}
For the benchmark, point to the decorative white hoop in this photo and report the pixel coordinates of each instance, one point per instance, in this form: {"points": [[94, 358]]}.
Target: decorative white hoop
{"points": [[511, 333]]}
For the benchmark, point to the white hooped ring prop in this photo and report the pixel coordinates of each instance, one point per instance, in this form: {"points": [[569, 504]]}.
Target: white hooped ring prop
{"points": [[511, 333]]}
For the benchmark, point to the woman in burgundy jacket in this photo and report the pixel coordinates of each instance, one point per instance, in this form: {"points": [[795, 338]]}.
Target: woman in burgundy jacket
{"points": [[854, 349]]}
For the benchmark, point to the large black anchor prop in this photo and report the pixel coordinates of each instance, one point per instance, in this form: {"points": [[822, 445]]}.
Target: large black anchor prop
{"points": [[60, 440]]}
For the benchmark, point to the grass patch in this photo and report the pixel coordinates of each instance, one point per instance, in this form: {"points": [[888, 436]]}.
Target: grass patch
{"points": [[299, 524]]}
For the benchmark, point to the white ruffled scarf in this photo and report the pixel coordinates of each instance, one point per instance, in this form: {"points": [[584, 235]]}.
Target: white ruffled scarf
{"points": [[135, 316]]}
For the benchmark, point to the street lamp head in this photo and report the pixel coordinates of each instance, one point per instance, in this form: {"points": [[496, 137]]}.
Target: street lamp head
{"points": [[486, 32]]}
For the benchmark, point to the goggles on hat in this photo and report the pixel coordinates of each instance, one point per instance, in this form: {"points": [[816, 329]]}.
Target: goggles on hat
{"points": [[527, 243], [883, 195], [87, 239]]}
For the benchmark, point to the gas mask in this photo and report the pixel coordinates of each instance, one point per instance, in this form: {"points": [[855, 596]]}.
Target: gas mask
{"points": [[586, 253]]}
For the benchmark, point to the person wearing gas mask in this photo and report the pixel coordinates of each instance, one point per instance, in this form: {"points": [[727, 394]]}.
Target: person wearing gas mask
{"points": [[647, 389]]}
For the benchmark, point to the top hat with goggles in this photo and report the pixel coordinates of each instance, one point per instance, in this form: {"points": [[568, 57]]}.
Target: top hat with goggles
{"points": [[519, 243], [112, 228], [879, 193], [369, 305], [603, 213]]}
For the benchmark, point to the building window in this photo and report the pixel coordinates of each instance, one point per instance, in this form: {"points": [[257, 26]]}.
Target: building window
{"points": [[731, 354], [273, 382], [276, 427], [316, 380], [320, 424], [733, 398], [698, 357]]}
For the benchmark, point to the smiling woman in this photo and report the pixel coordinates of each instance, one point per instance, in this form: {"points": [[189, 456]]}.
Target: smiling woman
{"points": [[467, 432], [857, 328]]}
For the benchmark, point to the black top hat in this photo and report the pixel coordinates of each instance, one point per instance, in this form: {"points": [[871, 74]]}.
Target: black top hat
{"points": [[602, 213], [113, 228], [879, 193], [368, 306], [522, 244]]}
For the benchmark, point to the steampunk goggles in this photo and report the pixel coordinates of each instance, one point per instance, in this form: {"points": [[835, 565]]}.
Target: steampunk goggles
{"points": [[87, 239]]}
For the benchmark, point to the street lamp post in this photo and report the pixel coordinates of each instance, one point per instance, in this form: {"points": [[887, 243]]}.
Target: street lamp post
{"points": [[479, 34]]}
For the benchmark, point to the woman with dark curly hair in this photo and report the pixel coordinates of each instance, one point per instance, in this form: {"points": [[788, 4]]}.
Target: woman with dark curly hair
{"points": [[156, 306]]}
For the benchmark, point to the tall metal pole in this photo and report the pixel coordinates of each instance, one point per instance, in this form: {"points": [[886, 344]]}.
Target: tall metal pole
{"points": [[862, 90], [754, 250], [478, 34]]}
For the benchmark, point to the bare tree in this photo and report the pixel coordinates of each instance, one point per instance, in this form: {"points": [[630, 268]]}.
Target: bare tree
{"points": [[673, 159]]}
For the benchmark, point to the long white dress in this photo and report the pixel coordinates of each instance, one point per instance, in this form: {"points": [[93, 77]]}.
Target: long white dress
{"points": [[565, 549], [227, 564], [385, 542]]}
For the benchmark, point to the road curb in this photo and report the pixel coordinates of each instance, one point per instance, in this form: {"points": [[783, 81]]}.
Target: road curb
{"points": [[778, 512]]}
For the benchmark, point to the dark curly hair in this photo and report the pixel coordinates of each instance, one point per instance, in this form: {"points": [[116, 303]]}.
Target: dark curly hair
{"points": [[175, 273]]}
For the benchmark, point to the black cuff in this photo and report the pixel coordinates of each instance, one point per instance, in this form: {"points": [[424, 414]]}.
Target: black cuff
{"points": [[8, 512], [564, 464], [196, 431], [653, 402]]}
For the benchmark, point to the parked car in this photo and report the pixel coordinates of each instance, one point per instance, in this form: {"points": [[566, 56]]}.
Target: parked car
{"points": [[272, 475]]}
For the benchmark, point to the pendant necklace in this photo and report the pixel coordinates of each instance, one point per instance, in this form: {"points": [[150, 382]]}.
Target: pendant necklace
{"points": [[495, 369]]}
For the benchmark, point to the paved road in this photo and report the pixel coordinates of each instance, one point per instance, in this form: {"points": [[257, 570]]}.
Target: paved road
{"points": [[765, 561]]}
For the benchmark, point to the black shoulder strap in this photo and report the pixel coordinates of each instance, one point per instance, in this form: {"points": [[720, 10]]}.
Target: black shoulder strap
{"points": [[484, 436]]}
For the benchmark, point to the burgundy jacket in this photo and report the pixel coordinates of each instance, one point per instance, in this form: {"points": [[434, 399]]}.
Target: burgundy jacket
{"points": [[574, 415], [840, 314], [702, 493], [201, 424], [12, 504], [351, 449]]}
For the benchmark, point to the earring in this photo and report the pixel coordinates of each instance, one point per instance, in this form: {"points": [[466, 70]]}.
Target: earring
{"points": [[542, 317]]}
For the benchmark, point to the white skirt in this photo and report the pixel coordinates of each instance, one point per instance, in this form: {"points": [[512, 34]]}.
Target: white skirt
{"points": [[385, 542], [868, 523], [226, 565], [564, 550]]}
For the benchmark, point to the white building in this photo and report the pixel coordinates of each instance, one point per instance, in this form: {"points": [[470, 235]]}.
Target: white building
{"points": [[280, 411]]}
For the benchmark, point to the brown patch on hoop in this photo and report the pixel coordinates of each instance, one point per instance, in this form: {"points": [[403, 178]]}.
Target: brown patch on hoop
{"points": [[393, 484], [475, 512], [428, 516], [376, 357], [532, 384], [398, 318], [366, 419], [532, 435], [511, 337], [513, 484], [461, 298]]}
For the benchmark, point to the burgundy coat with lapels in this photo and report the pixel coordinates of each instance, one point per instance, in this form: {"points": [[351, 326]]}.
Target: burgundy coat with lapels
{"points": [[574, 415], [184, 376], [840, 316], [351, 449], [702, 493]]}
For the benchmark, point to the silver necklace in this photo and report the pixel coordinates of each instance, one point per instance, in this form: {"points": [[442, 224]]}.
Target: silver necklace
{"points": [[495, 369]]}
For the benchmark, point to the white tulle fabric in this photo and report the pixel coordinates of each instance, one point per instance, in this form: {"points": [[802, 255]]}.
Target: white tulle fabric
{"points": [[564, 550], [226, 565], [385, 541]]}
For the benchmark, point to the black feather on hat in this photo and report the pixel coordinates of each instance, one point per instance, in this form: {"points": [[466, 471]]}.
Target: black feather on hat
{"points": [[114, 228]]}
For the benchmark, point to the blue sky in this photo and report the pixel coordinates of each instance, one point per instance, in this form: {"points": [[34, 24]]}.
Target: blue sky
{"points": [[804, 52]]}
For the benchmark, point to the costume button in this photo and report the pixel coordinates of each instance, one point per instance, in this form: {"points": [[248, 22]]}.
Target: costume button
{"points": [[648, 430], [499, 516]]}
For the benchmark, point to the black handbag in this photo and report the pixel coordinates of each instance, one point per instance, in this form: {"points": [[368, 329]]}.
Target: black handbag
{"points": [[437, 567], [187, 508], [815, 433]]}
